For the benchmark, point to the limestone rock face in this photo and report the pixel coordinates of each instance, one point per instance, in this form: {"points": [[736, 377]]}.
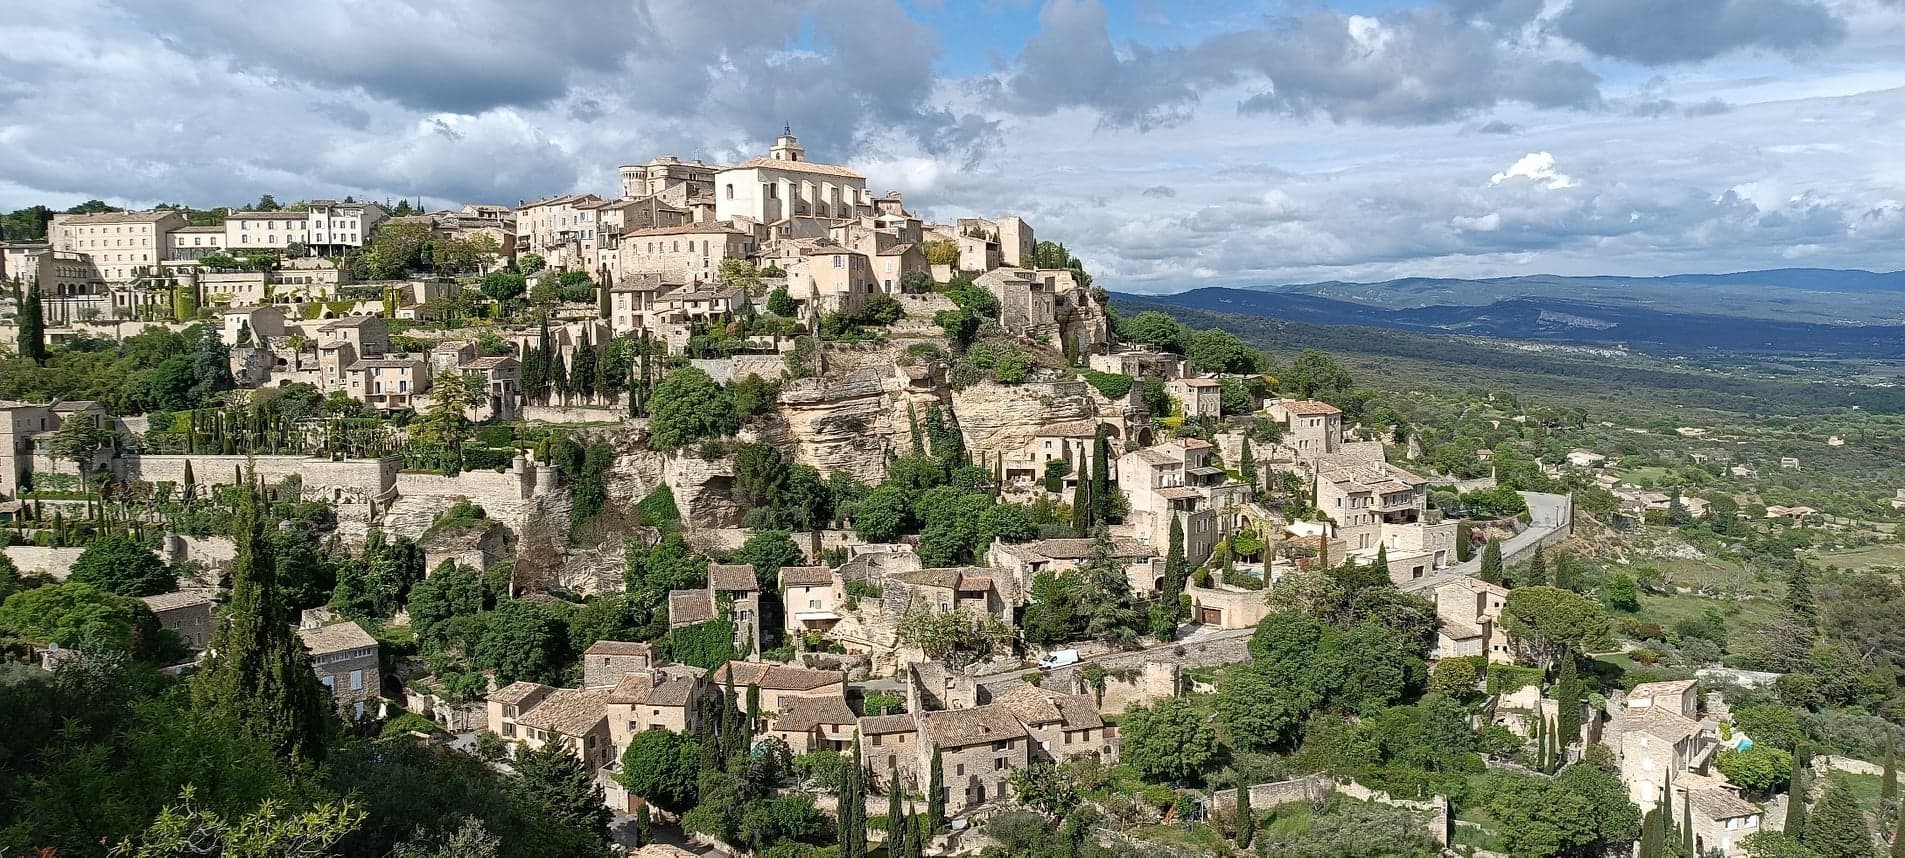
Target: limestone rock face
{"points": [[411, 515], [703, 490], [998, 419], [844, 423]]}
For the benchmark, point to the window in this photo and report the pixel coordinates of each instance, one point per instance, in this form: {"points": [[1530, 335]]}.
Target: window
{"points": [[998, 765], [730, 191], [961, 772]]}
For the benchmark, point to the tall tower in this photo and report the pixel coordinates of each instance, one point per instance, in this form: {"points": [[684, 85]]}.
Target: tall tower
{"points": [[787, 146]]}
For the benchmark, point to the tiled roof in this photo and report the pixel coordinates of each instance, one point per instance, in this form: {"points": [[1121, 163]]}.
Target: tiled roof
{"points": [[806, 576], [668, 686], [732, 577], [886, 725], [489, 362], [336, 637], [569, 711], [800, 714], [798, 167], [174, 601], [690, 606], [958, 728], [1717, 803], [387, 363], [954, 577], [515, 692], [1309, 408], [1661, 722], [698, 228], [115, 217], [1035, 705], [618, 648], [1200, 382], [347, 322], [777, 677]]}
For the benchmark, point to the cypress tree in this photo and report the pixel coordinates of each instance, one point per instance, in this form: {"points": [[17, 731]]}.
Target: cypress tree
{"points": [[1799, 592], [1246, 820], [935, 797], [644, 825], [1537, 571], [1801, 785], [1836, 827], [1888, 781], [1081, 501], [1665, 806], [1248, 467], [259, 677], [1492, 562], [1898, 833], [853, 807], [1569, 694], [1100, 478], [753, 708], [1651, 838], [1686, 824], [895, 815], [33, 327]]}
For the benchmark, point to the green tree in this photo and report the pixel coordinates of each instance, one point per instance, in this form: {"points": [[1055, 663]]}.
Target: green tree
{"points": [[1622, 593], [119, 565], [529, 263], [1218, 350], [271, 830], [1761, 768], [1570, 696], [555, 781], [1168, 613], [523, 641], [936, 794], [662, 767], [32, 340], [956, 637], [1246, 819], [77, 614], [503, 285], [1835, 828], [1795, 823], [853, 808], [688, 406], [1548, 622], [1492, 562], [1315, 375], [1158, 329], [257, 675], [782, 304], [453, 590], [1582, 813], [1775, 844], [1169, 741]]}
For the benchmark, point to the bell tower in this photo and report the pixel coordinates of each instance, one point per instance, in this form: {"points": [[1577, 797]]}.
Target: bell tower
{"points": [[787, 146]]}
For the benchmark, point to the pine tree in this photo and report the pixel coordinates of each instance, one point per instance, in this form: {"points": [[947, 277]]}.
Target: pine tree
{"points": [[1799, 599], [1801, 787], [1246, 820], [1836, 827], [258, 677], [33, 327], [556, 782], [935, 797], [1492, 562]]}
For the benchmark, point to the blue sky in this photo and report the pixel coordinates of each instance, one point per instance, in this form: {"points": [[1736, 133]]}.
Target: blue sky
{"points": [[1171, 144]]}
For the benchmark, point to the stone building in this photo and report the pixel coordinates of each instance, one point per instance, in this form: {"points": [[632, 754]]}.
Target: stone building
{"points": [[345, 658], [1310, 428], [531, 715], [187, 613], [561, 229], [784, 185], [120, 245], [656, 698], [604, 663], [1201, 397]]}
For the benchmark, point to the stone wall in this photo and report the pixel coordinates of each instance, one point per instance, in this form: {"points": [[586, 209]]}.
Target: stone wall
{"points": [[207, 470], [216, 552], [572, 414], [1214, 649], [32, 559], [1315, 787], [724, 370]]}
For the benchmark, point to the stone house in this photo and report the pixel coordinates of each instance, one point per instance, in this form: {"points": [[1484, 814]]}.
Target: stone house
{"points": [[389, 384], [979, 749], [1720, 818], [817, 723], [1469, 609], [657, 698], [1655, 734], [345, 658], [1139, 363], [832, 279], [561, 229], [1061, 726], [889, 742], [1362, 496], [533, 715], [1026, 560], [632, 301], [778, 684], [426, 696], [604, 663], [969, 588], [1201, 397], [784, 185], [812, 597], [1026, 302], [1069, 441], [683, 253], [1310, 428], [1177, 479], [188, 613]]}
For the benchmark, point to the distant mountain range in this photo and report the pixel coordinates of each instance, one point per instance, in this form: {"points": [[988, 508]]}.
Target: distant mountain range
{"points": [[1804, 311]]}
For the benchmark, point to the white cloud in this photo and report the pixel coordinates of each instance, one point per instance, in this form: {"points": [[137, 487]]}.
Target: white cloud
{"points": [[1537, 167], [1486, 223]]}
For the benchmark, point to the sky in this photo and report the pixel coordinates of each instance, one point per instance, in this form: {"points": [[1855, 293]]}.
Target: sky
{"points": [[1171, 145]]}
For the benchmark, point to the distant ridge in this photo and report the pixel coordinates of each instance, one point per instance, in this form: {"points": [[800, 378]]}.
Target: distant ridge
{"points": [[1804, 311]]}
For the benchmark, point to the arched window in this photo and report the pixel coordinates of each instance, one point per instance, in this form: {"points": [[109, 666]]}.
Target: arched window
{"points": [[730, 190]]}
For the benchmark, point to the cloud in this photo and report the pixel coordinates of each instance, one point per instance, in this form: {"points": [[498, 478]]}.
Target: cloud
{"points": [[1537, 167], [1710, 107], [1497, 126], [1408, 67], [1159, 192], [1666, 32]]}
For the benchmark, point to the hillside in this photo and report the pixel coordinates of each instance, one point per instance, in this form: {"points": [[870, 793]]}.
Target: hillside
{"points": [[1852, 314]]}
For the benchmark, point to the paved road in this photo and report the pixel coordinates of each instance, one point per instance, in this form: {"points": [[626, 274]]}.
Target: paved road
{"points": [[1547, 513]]}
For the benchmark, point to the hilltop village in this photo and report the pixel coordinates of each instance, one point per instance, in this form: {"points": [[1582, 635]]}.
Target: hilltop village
{"points": [[747, 505]]}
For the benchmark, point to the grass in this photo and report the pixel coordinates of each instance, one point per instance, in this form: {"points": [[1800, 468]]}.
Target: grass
{"points": [[1863, 557], [1739, 613], [1718, 574]]}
